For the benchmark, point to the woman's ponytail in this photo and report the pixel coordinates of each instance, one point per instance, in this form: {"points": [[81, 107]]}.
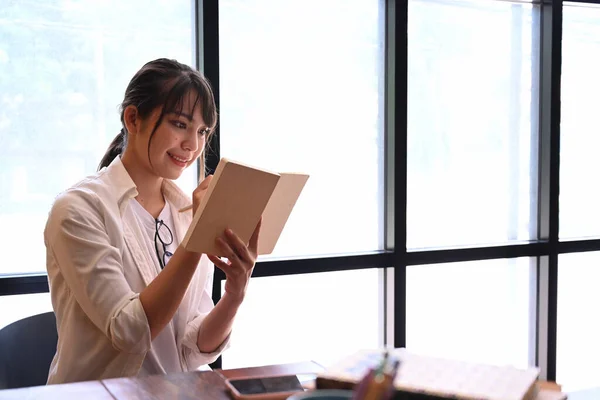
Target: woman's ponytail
{"points": [[116, 148]]}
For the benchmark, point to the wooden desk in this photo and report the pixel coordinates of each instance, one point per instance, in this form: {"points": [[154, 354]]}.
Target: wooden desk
{"points": [[183, 386], [84, 390]]}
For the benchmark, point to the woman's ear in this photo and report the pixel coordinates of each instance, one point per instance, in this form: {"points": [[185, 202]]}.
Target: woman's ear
{"points": [[131, 119]]}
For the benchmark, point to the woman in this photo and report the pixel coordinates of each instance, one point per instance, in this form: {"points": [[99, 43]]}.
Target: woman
{"points": [[128, 300]]}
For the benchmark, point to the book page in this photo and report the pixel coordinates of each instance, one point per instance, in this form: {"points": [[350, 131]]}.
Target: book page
{"points": [[278, 210]]}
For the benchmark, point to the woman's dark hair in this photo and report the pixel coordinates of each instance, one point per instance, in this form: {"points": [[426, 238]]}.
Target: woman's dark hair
{"points": [[163, 83]]}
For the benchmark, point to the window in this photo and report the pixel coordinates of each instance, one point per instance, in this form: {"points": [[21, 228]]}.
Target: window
{"points": [[64, 67], [299, 95], [578, 348], [478, 311], [472, 163], [319, 317], [22, 306], [578, 330], [579, 143]]}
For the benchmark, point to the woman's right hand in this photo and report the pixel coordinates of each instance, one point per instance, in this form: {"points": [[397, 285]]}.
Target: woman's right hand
{"points": [[200, 192]]}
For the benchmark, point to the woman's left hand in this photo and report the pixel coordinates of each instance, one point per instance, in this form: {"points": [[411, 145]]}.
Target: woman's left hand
{"points": [[241, 261]]}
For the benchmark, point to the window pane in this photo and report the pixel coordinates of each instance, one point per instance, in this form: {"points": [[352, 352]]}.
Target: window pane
{"points": [[471, 143], [302, 87], [22, 306], [578, 348], [320, 317], [478, 311], [64, 67], [579, 143]]}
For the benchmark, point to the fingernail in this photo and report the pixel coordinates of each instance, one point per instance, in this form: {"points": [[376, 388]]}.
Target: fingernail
{"points": [[228, 231]]}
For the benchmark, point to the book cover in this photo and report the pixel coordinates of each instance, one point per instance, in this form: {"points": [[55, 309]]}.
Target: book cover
{"points": [[237, 197]]}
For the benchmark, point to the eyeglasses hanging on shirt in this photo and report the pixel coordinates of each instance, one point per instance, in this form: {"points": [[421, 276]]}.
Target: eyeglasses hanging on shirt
{"points": [[165, 237]]}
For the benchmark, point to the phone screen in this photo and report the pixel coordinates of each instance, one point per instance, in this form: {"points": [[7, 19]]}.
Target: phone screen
{"points": [[289, 383]]}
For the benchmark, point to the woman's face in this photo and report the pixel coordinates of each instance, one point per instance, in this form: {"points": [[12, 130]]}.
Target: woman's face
{"points": [[177, 142]]}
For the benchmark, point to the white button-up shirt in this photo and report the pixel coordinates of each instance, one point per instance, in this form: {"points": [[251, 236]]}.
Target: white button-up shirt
{"points": [[97, 265]]}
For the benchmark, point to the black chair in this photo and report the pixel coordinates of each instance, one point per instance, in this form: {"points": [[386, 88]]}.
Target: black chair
{"points": [[27, 347]]}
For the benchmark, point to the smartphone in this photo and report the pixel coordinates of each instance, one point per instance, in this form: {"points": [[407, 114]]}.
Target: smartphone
{"points": [[268, 387]]}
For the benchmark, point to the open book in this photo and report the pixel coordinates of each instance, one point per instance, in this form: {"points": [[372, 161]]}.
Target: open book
{"points": [[237, 197], [425, 377]]}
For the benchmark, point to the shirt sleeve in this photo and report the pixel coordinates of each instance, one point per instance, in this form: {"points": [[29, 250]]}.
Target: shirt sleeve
{"points": [[77, 238], [192, 355]]}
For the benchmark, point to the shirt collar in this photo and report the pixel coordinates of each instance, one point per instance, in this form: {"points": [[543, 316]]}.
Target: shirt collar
{"points": [[124, 189]]}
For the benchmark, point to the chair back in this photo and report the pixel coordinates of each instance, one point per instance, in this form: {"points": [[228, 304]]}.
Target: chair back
{"points": [[27, 348]]}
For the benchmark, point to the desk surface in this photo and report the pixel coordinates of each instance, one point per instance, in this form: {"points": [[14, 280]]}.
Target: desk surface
{"points": [[182, 386], [177, 386]]}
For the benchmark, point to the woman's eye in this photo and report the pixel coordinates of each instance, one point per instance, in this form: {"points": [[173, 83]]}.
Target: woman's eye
{"points": [[203, 132], [179, 125]]}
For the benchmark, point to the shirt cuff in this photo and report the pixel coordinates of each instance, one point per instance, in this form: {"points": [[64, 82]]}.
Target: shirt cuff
{"points": [[129, 329], [192, 355]]}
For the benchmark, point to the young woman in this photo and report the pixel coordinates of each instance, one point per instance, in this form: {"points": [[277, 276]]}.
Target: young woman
{"points": [[129, 301]]}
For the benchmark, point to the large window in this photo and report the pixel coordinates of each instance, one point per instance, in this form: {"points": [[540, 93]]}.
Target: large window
{"points": [[472, 176], [451, 145], [64, 67], [309, 100], [478, 311], [472, 161], [578, 322], [295, 98], [579, 143], [579, 273], [320, 317]]}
